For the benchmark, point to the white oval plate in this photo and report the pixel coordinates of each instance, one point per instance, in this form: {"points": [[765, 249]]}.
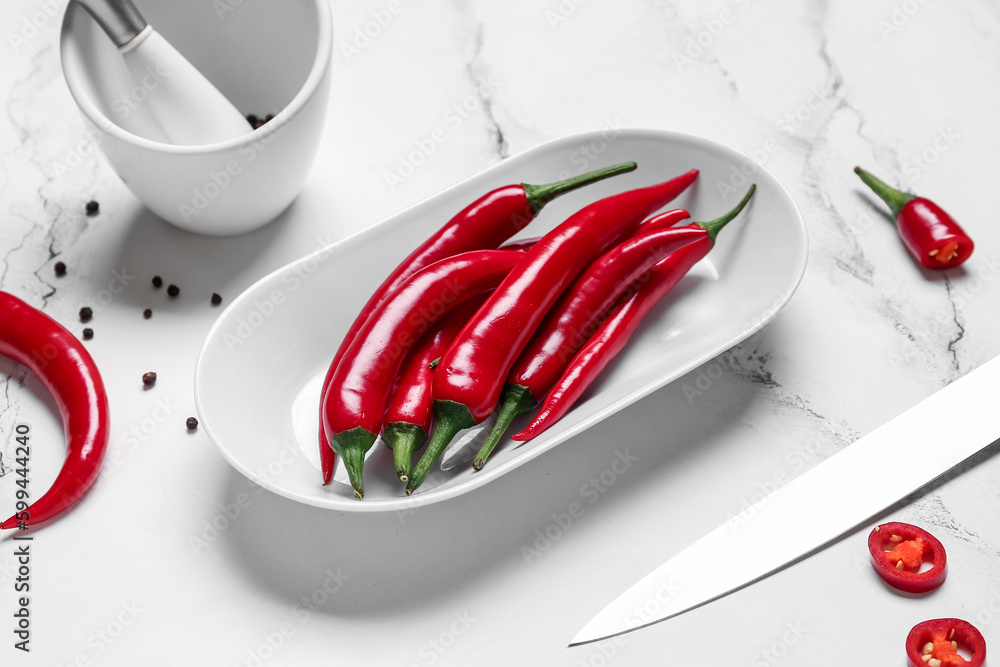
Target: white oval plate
{"points": [[257, 378]]}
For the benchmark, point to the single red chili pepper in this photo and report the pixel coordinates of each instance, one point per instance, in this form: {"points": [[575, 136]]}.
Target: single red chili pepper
{"points": [[483, 224], [575, 316], [408, 415], [911, 546], [940, 639], [468, 381], [929, 233], [624, 318], [33, 339], [664, 220], [355, 400]]}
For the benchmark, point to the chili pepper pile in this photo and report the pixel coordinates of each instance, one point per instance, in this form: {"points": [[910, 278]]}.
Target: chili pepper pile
{"points": [[456, 319], [485, 223]]}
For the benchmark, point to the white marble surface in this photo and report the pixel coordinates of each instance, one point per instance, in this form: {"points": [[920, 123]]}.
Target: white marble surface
{"points": [[133, 576]]}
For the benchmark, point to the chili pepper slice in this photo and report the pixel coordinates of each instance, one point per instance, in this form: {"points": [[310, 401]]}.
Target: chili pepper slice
{"points": [[575, 316], [355, 399], [621, 322], [483, 224], [408, 415], [468, 381], [33, 339], [929, 233], [911, 546], [935, 643]]}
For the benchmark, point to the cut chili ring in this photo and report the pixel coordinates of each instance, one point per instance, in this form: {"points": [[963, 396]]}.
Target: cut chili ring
{"points": [[911, 547], [936, 643]]}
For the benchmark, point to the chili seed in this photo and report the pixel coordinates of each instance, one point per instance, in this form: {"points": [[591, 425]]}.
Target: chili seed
{"points": [[191, 423], [93, 207], [934, 662], [146, 314], [86, 314], [216, 299], [149, 379], [925, 657], [929, 647], [269, 118], [258, 124], [88, 333], [173, 290], [252, 118], [60, 269], [157, 282]]}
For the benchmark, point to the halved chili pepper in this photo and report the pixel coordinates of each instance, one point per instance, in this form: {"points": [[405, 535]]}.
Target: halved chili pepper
{"points": [[911, 547], [355, 399], [576, 315], [408, 415], [483, 224], [33, 339], [468, 381], [935, 643], [621, 322], [929, 233]]}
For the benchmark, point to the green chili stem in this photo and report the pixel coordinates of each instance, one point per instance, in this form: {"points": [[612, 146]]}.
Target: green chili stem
{"points": [[404, 439], [713, 227], [540, 195], [352, 446], [451, 418], [516, 400], [895, 199]]}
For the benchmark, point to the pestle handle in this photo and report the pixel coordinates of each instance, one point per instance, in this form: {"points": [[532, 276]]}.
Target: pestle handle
{"points": [[119, 18]]}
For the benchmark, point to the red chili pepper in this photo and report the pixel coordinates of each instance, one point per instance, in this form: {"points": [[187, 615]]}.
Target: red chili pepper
{"points": [[929, 233], [664, 220], [576, 315], [408, 415], [621, 322], [911, 546], [940, 639], [33, 339], [483, 224], [468, 381], [355, 400]]}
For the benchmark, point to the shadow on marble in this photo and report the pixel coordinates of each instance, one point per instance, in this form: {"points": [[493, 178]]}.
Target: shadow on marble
{"points": [[400, 561], [199, 265]]}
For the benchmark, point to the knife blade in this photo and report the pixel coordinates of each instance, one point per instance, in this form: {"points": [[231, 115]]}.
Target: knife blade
{"points": [[936, 435]]}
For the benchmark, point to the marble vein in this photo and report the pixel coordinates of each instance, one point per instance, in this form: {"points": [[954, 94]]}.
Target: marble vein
{"points": [[476, 70]]}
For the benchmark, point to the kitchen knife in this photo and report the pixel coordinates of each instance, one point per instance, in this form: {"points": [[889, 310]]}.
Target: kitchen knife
{"points": [[866, 477]]}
